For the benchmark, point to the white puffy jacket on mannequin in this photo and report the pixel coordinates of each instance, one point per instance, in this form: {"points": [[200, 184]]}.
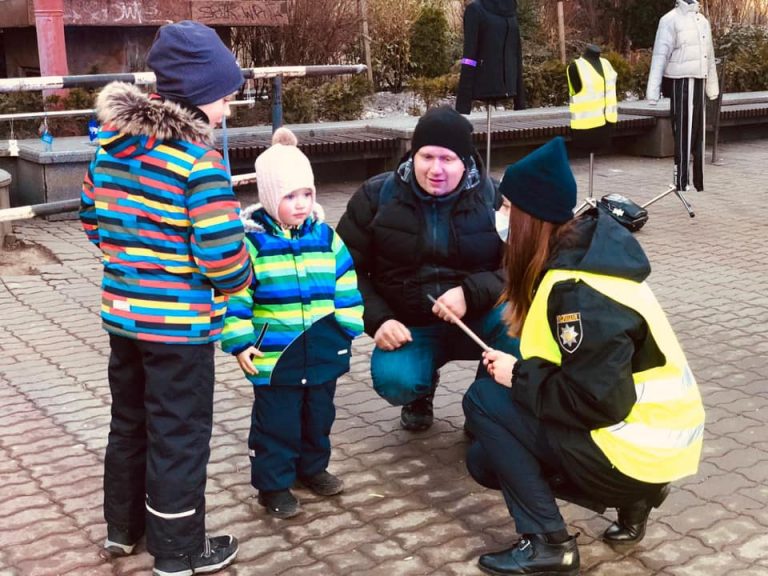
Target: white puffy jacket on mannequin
{"points": [[683, 49]]}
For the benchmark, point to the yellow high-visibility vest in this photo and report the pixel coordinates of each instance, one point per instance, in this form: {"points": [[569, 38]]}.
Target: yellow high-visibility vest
{"points": [[595, 104], [660, 439]]}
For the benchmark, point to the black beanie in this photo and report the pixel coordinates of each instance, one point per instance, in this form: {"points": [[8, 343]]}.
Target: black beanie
{"points": [[192, 64], [447, 128], [542, 184]]}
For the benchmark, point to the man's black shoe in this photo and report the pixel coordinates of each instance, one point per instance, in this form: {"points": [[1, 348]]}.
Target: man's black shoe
{"points": [[280, 503], [419, 414], [324, 484], [630, 526], [534, 556], [218, 553]]}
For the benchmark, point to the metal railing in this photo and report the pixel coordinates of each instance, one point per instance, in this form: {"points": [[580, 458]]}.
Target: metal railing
{"points": [[144, 78], [277, 73], [83, 112], [62, 206]]}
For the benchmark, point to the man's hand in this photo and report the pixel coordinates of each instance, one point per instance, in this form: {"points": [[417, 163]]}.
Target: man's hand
{"points": [[245, 359], [454, 300], [391, 335], [499, 366]]}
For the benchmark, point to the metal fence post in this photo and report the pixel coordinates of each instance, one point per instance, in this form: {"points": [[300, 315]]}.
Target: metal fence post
{"points": [[5, 202], [277, 102]]}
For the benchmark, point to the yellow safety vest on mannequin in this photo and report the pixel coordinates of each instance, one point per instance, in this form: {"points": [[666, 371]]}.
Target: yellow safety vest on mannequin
{"points": [[595, 104], [660, 439]]}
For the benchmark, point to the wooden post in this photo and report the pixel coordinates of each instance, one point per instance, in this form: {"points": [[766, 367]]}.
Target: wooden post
{"points": [[366, 40], [561, 29]]}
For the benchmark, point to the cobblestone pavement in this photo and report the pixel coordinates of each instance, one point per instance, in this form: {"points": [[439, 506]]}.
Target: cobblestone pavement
{"points": [[409, 507]]}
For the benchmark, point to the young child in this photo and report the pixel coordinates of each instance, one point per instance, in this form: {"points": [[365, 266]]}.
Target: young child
{"points": [[291, 330], [157, 200]]}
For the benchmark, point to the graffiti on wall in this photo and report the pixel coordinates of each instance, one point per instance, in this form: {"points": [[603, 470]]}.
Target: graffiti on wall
{"points": [[122, 12], [157, 12], [240, 12]]}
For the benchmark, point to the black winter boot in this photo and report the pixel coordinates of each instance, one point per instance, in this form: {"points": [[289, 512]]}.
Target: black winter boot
{"points": [[324, 484], [280, 504], [630, 526], [534, 556], [419, 414]]}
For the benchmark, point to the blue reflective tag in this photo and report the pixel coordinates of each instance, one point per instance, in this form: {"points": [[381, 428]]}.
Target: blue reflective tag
{"points": [[93, 129]]}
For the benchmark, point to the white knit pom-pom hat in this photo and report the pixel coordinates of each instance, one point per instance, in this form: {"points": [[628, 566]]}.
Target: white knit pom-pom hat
{"points": [[281, 169]]}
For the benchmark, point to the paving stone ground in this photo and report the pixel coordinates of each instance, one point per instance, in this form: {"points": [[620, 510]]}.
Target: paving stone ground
{"points": [[409, 508]]}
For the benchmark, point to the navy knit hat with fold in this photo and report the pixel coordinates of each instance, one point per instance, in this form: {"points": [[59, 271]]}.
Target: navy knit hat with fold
{"points": [[444, 127], [542, 184], [192, 64]]}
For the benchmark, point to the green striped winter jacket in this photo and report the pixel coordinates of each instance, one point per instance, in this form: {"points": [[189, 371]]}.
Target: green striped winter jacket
{"points": [[303, 308]]}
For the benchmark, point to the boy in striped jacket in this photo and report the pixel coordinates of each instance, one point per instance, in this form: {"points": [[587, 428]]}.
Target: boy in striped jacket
{"points": [[292, 329], [157, 200]]}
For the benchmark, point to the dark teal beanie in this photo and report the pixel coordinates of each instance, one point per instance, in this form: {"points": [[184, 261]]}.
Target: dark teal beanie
{"points": [[542, 184], [192, 64]]}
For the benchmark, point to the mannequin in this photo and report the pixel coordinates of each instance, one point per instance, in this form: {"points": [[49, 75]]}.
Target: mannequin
{"points": [[593, 106], [492, 66], [684, 58], [595, 135]]}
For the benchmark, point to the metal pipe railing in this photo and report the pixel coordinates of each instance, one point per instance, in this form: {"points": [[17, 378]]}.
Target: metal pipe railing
{"points": [[143, 78], [84, 112], [62, 206]]}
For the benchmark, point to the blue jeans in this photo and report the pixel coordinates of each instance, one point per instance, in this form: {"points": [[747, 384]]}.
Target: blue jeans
{"points": [[406, 374]]}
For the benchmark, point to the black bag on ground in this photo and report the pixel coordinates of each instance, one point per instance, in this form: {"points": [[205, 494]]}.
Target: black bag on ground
{"points": [[630, 215]]}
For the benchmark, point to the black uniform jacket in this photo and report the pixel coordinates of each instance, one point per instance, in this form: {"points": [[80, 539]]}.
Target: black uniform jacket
{"points": [[492, 40], [398, 265], [593, 386]]}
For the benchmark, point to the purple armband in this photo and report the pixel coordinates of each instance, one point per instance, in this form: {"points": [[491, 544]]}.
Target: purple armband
{"points": [[468, 62]]}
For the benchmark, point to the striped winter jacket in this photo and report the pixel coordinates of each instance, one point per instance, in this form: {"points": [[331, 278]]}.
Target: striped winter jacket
{"points": [[158, 202], [303, 308]]}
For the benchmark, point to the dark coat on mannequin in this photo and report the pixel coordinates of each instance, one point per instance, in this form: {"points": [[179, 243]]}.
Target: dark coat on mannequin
{"points": [[595, 139], [492, 40]]}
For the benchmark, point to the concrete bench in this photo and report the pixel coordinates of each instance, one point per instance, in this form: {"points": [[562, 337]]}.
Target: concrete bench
{"points": [[357, 149], [743, 115]]}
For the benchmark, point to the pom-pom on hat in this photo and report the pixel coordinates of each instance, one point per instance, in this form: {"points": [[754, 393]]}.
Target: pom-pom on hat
{"points": [[542, 184], [444, 127], [192, 64], [281, 169]]}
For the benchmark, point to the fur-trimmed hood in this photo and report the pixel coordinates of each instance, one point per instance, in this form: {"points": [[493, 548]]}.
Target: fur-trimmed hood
{"points": [[123, 109], [255, 221]]}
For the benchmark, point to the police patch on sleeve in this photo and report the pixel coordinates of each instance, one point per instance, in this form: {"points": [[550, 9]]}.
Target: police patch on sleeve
{"points": [[569, 333]]}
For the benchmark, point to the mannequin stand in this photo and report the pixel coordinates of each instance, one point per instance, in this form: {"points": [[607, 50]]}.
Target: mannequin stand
{"points": [[488, 141], [679, 193], [589, 201]]}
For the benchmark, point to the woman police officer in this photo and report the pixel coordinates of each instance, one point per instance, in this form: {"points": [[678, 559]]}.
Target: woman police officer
{"points": [[602, 398]]}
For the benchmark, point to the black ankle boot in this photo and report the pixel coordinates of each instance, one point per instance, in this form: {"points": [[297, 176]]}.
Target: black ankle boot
{"points": [[419, 414], [534, 556], [632, 520]]}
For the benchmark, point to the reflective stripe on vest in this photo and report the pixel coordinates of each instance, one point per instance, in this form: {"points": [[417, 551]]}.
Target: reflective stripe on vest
{"points": [[660, 440], [595, 104]]}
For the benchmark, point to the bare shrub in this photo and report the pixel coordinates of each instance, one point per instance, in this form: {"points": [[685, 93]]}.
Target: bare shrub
{"points": [[318, 32], [390, 24], [725, 14]]}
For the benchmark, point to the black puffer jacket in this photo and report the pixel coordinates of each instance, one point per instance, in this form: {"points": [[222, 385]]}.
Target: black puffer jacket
{"points": [[398, 264], [492, 40]]}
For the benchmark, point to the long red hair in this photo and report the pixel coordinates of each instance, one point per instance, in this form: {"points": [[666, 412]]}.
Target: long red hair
{"points": [[529, 244]]}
